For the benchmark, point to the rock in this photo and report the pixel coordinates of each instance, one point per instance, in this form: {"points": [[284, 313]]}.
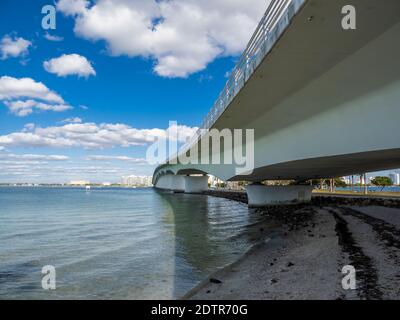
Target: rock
{"points": [[213, 280], [290, 264], [273, 280]]}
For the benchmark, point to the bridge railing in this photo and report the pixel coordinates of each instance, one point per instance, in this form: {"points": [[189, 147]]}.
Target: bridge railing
{"points": [[249, 60], [271, 26]]}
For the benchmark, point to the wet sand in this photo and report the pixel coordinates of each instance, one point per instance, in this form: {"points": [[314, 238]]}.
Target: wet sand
{"points": [[305, 248]]}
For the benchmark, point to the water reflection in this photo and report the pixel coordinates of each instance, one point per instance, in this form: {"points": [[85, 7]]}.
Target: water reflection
{"points": [[209, 233]]}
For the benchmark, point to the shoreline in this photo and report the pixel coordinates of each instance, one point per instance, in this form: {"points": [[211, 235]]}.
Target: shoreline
{"points": [[307, 247]]}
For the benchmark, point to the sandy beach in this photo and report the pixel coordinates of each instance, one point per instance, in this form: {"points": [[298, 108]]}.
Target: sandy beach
{"points": [[304, 248]]}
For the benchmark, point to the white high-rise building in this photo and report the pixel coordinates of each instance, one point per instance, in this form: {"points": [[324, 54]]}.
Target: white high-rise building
{"points": [[395, 177], [137, 181]]}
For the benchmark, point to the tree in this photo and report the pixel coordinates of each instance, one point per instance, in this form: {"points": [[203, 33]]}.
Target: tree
{"points": [[339, 182], [382, 182]]}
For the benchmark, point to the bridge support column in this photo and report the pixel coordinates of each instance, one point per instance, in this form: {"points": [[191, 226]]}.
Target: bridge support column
{"points": [[196, 184], [164, 182], [172, 182], [178, 183], [260, 195]]}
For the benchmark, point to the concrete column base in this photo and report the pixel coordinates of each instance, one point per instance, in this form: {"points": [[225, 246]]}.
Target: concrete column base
{"points": [[260, 195], [175, 183], [196, 184]]}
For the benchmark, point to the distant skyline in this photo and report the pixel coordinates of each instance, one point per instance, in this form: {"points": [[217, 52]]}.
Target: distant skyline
{"points": [[83, 102]]}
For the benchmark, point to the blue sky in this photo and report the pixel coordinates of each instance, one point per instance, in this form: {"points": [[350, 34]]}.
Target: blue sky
{"points": [[126, 87]]}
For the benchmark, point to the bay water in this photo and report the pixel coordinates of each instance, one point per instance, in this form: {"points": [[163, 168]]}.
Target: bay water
{"points": [[115, 243]]}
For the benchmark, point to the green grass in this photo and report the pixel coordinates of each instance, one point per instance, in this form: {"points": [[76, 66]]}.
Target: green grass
{"points": [[355, 193]]}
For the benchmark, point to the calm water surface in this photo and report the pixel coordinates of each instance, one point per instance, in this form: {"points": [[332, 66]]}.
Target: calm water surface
{"points": [[115, 243]]}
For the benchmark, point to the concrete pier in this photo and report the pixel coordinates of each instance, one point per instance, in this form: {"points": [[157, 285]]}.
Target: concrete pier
{"points": [[172, 182], [195, 184], [260, 195]]}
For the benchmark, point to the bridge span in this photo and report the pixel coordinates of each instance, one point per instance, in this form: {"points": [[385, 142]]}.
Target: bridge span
{"points": [[323, 101]]}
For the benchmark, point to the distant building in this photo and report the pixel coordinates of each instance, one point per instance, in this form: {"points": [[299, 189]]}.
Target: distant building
{"points": [[369, 179], [79, 182], [346, 180], [395, 177], [213, 181], [234, 185], [137, 181]]}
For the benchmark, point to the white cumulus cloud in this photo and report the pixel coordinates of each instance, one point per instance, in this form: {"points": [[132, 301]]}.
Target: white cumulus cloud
{"points": [[20, 108], [24, 108], [72, 120], [14, 88], [51, 37], [72, 7], [90, 136], [23, 96], [13, 47], [116, 158], [69, 64], [32, 157], [182, 36]]}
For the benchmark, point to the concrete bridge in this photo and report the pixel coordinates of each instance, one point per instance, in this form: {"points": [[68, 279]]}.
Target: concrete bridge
{"points": [[323, 101]]}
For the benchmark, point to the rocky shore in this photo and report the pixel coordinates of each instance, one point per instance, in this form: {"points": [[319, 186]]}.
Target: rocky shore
{"points": [[306, 247]]}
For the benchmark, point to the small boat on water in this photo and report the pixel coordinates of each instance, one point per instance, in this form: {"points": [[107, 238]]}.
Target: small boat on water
{"points": [[87, 188]]}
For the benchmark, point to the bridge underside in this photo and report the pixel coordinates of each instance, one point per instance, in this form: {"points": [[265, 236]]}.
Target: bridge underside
{"points": [[327, 167], [314, 168], [324, 102]]}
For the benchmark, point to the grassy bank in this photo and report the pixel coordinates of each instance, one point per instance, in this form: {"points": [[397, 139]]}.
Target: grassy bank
{"points": [[357, 193]]}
